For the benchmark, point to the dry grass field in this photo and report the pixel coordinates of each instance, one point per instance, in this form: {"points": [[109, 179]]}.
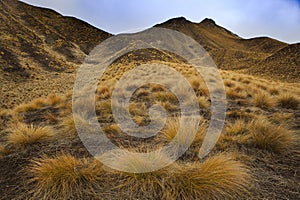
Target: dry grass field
{"points": [[256, 157], [42, 156]]}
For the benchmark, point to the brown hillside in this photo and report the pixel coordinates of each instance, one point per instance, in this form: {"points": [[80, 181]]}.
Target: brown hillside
{"points": [[259, 56], [32, 36], [39, 50], [284, 64]]}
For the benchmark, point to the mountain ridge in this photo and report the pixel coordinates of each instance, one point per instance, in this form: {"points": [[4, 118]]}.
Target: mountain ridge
{"points": [[36, 39]]}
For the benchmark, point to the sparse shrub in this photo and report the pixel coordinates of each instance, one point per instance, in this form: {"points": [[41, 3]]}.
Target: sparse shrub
{"points": [[23, 134], [288, 101], [63, 177]]}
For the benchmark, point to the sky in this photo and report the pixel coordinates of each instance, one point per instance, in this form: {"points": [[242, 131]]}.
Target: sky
{"points": [[279, 19]]}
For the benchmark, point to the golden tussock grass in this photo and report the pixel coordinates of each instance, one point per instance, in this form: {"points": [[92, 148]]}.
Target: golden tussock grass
{"points": [[139, 120], [29, 107], [137, 109], [167, 105], [289, 101], [103, 92], [171, 129], [63, 176], [68, 127], [203, 102], [103, 108], [21, 134], [157, 88], [229, 83], [235, 93], [218, 177], [262, 99], [238, 127], [54, 100], [265, 135], [273, 91], [233, 133], [151, 185], [113, 129], [238, 114], [51, 100], [2, 150], [165, 97]]}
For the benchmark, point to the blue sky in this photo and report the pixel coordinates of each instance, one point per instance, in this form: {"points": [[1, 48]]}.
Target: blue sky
{"points": [[279, 19]]}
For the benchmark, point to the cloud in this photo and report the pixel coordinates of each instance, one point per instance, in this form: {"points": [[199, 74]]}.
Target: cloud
{"points": [[279, 19]]}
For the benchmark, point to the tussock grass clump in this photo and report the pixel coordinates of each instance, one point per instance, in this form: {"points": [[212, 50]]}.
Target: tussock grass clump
{"points": [[218, 177], [273, 91], [233, 134], [203, 102], [171, 130], [68, 124], [2, 150], [262, 99], [288, 101], [265, 135], [237, 128], [165, 97], [22, 134], [30, 107], [54, 100], [229, 83], [167, 105], [236, 93], [63, 177]]}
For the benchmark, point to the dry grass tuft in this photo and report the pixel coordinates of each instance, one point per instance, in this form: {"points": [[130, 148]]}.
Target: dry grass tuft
{"points": [[203, 102], [236, 93], [262, 100], [265, 135], [2, 150], [63, 177], [288, 101], [68, 124], [22, 134], [218, 177], [172, 129], [273, 91], [239, 127], [54, 100]]}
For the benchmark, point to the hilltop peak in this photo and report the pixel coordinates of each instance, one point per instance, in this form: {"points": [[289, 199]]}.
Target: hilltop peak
{"points": [[178, 20], [209, 22]]}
